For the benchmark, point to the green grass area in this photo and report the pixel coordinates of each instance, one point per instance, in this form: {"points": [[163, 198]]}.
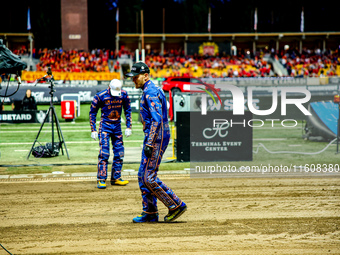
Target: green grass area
{"points": [[16, 141]]}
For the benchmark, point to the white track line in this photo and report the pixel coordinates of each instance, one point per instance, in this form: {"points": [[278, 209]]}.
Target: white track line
{"points": [[94, 142], [64, 131], [270, 139], [267, 128], [68, 127]]}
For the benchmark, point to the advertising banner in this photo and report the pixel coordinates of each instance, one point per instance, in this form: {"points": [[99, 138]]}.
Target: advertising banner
{"points": [[69, 76], [217, 136], [22, 116], [220, 136], [239, 132], [41, 93], [68, 109]]}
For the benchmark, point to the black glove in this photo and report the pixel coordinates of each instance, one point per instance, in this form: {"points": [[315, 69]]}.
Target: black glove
{"points": [[148, 151]]}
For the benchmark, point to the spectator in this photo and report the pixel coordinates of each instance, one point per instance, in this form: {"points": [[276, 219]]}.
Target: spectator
{"points": [[28, 103], [174, 61]]}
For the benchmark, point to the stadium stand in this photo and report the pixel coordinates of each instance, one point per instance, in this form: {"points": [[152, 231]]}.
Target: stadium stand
{"points": [[310, 63]]}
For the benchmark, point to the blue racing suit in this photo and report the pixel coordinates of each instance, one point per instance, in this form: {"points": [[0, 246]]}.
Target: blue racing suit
{"points": [[153, 112], [110, 127]]}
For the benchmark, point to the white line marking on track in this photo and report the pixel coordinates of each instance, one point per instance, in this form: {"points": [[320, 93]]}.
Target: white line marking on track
{"points": [[277, 127], [65, 127], [269, 139], [45, 131], [94, 142]]}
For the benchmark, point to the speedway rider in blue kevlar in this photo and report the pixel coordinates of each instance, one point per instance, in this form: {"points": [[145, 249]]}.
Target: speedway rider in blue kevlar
{"points": [[154, 116], [110, 101]]}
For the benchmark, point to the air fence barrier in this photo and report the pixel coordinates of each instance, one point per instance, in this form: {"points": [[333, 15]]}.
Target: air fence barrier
{"points": [[87, 89]]}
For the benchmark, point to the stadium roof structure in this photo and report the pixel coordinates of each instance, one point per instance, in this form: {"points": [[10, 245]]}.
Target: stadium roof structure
{"points": [[187, 35], [311, 40], [17, 38]]}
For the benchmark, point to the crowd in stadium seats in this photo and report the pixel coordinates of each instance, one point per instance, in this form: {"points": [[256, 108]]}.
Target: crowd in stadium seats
{"points": [[76, 61], [313, 63], [308, 64]]}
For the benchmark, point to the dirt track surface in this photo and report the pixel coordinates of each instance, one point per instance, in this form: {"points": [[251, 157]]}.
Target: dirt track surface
{"points": [[225, 216]]}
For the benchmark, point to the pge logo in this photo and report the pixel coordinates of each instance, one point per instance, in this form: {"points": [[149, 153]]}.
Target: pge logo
{"points": [[85, 95], [39, 96]]}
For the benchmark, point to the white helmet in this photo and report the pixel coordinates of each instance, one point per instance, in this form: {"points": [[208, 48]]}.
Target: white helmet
{"points": [[115, 87]]}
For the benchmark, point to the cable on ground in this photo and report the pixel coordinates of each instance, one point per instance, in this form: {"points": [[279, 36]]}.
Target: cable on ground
{"points": [[5, 249]]}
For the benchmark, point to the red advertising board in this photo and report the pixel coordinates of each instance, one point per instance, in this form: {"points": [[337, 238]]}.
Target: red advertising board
{"points": [[68, 109]]}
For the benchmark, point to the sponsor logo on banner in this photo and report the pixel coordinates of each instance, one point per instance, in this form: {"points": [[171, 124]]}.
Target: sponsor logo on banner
{"points": [[85, 96], [16, 117], [220, 136], [22, 116], [220, 127], [208, 48], [40, 97], [65, 76], [41, 116]]}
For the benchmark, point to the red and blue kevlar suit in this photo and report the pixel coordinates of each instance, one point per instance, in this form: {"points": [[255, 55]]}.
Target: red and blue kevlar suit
{"points": [[153, 112], [110, 127]]}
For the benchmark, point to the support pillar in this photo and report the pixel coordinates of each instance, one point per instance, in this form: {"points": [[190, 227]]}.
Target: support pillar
{"points": [[117, 43]]}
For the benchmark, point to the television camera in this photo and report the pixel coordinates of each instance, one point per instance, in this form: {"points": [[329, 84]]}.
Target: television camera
{"points": [[10, 64]]}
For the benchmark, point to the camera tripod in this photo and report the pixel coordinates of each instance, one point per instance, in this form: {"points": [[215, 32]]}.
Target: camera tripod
{"points": [[54, 120]]}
